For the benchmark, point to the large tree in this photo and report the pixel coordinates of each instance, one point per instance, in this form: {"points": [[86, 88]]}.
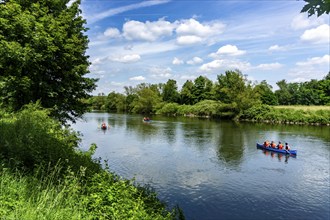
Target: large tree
{"points": [[170, 91], [42, 56]]}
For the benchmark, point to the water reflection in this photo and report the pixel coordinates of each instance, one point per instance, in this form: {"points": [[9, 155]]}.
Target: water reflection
{"points": [[230, 144], [281, 157]]}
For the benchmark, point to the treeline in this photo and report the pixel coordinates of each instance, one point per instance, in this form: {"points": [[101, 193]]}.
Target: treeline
{"points": [[230, 96]]}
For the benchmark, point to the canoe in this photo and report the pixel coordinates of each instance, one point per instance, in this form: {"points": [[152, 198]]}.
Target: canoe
{"points": [[293, 152]]}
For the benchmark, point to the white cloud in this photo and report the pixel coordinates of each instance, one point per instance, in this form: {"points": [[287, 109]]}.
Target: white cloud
{"points": [[177, 61], [192, 31], [313, 68], [129, 58], [195, 60], [112, 33], [137, 78], [189, 39], [321, 34], [269, 66], [301, 21], [315, 61], [230, 50], [160, 73], [148, 31], [276, 48], [223, 64]]}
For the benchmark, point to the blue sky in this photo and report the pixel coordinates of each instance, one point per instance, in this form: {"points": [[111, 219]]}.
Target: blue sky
{"points": [[152, 41]]}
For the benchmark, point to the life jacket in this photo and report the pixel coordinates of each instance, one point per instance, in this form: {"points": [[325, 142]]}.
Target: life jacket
{"points": [[280, 146], [273, 145]]}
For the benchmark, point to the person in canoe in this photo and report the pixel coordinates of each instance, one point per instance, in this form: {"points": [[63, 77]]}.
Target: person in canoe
{"points": [[287, 147], [280, 145], [103, 126], [272, 144], [266, 143]]}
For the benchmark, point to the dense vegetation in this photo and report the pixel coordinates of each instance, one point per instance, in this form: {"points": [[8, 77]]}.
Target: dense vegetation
{"points": [[42, 57], [231, 96], [43, 173], [45, 176]]}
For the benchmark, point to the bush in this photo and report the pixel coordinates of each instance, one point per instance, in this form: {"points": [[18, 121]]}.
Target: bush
{"points": [[31, 138]]}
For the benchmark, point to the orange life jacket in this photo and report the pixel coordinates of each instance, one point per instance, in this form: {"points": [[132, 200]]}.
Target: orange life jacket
{"points": [[280, 146]]}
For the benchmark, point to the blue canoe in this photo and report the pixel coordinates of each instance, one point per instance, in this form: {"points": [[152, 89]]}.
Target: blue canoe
{"points": [[293, 152]]}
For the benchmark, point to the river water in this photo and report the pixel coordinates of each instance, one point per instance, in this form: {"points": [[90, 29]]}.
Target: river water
{"points": [[213, 170]]}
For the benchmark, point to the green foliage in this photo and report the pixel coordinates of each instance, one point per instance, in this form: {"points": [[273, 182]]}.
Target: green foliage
{"points": [[42, 57], [148, 96], [170, 91], [285, 115], [30, 137], [169, 109], [318, 7], [45, 176], [202, 89]]}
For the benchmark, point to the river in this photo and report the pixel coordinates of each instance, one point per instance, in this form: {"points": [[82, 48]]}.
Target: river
{"points": [[212, 168]]}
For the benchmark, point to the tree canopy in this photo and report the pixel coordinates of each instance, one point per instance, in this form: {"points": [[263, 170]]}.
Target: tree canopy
{"points": [[42, 57], [318, 7]]}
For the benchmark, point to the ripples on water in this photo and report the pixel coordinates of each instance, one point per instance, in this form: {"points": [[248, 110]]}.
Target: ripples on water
{"points": [[213, 170]]}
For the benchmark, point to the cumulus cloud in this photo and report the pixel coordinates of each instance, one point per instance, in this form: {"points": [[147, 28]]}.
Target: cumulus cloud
{"points": [[230, 50], [325, 60], [129, 58], [112, 33], [195, 60], [276, 48], [148, 31], [312, 68], [269, 66], [137, 78], [177, 61], [321, 34], [221, 64], [192, 31]]}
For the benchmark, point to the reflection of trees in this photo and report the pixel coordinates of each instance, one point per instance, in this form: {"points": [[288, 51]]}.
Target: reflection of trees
{"points": [[230, 143], [198, 132]]}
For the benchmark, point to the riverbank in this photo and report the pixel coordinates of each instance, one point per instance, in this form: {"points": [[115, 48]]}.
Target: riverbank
{"points": [[311, 115], [303, 115], [44, 175]]}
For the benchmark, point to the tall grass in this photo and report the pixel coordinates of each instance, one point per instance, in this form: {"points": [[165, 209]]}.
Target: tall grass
{"points": [[28, 197], [45, 176], [297, 115]]}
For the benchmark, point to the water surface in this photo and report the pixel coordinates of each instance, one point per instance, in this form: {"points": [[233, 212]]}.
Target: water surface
{"points": [[213, 170]]}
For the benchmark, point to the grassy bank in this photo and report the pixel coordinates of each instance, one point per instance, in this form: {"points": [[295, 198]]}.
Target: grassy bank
{"points": [[315, 115], [44, 175]]}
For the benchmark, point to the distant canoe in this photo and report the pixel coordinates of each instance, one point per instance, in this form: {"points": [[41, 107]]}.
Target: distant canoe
{"points": [[293, 152], [104, 127]]}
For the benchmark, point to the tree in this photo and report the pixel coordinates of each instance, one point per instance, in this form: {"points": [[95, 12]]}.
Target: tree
{"points": [[147, 99], [316, 6], [170, 92], [229, 86], [186, 96], [115, 102], [202, 89], [42, 57], [267, 96], [283, 95]]}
